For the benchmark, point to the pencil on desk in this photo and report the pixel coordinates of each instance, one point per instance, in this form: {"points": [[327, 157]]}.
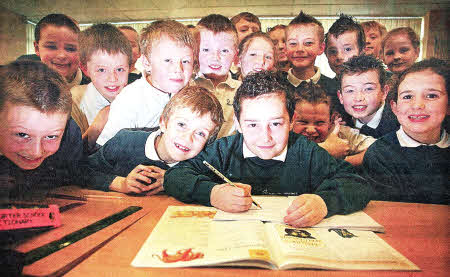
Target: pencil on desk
{"points": [[217, 172]]}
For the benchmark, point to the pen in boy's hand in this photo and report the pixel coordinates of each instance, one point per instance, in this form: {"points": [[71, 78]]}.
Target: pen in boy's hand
{"points": [[217, 172]]}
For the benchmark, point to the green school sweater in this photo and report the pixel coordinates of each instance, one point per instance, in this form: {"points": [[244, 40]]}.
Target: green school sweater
{"points": [[307, 169]]}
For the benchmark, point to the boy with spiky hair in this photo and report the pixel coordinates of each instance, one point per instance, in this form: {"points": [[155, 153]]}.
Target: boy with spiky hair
{"points": [[169, 55], [218, 50], [267, 158], [374, 33], [105, 56], [345, 39], [304, 42], [410, 164], [363, 91]]}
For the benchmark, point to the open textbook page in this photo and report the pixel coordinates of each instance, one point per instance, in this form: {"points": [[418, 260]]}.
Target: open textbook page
{"points": [[274, 209], [187, 236]]}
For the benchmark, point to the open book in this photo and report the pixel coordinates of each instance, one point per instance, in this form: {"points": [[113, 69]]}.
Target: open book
{"points": [[274, 209], [187, 236]]}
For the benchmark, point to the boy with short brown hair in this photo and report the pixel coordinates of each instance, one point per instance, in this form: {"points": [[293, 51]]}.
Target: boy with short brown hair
{"points": [[190, 119], [218, 50], [374, 33], [133, 37], [169, 55]]}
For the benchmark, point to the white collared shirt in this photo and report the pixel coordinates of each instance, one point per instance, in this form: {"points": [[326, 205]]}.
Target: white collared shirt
{"points": [[296, 81], [150, 150], [89, 99], [138, 105], [407, 141], [249, 154], [374, 122]]}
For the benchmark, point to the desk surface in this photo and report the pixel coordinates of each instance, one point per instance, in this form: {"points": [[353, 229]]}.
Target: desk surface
{"points": [[418, 231]]}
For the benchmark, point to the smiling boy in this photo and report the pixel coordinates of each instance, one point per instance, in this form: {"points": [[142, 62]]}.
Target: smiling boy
{"points": [[189, 120], [169, 55], [267, 158], [363, 92], [218, 50], [105, 56], [411, 163]]}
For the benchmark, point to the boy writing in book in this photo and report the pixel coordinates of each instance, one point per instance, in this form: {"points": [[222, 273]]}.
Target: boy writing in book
{"points": [[313, 120], [169, 54], [411, 163], [40, 145], [218, 50], [304, 42], [188, 121], [105, 56], [267, 158], [363, 92]]}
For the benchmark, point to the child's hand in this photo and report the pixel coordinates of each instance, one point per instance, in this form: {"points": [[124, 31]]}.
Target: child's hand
{"points": [[335, 146], [137, 180], [306, 210], [231, 199]]}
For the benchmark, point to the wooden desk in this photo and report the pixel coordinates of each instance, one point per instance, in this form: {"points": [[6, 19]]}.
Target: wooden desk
{"points": [[418, 231]]}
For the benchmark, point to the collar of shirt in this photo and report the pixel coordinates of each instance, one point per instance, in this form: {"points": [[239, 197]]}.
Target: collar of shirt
{"points": [[77, 80], [201, 80], [407, 141], [296, 81], [150, 150], [136, 71], [374, 122], [95, 96], [249, 154]]}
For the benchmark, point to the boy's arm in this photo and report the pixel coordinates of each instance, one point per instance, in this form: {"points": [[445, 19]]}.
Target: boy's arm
{"points": [[357, 159], [337, 183]]}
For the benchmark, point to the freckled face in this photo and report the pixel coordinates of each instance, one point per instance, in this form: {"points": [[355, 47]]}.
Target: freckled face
{"points": [[265, 133], [422, 105], [312, 121], [28, 136], [58, 49], [399, 53], [184, 135], [341, 49], [258, 57], [303, 45]]}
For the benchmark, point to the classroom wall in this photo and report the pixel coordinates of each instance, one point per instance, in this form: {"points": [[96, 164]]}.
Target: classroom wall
{"points": [[13, 38], [436, 41]]}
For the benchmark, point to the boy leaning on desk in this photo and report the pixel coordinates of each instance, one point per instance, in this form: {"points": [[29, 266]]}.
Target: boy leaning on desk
{"points": [[265, 154]]}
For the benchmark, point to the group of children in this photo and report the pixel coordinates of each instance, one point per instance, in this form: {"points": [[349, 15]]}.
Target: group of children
{"points": [[274, 126]]}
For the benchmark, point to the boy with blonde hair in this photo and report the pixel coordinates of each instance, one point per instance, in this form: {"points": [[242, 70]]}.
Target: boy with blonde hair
{"points": [[105, 56], [190, 119], [218, 50], [267, 158], [169, 55]]}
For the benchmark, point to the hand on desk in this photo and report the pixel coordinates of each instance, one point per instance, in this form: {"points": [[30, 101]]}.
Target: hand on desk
{"points": [[306, 210], [231, 199], [139, 181]]}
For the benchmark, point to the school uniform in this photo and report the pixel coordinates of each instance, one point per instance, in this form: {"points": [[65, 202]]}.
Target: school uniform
{"points": [[303, 167], [66, 167], [402, 169], [134, 75], [224, 92], [87, 102], [383, 122], [126, 150], [138, 105]]}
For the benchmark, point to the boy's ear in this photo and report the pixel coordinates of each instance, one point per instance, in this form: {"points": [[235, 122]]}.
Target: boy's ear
{"points": [[294, 118], [84, 69], [322, 48], [394, 107], [236, 124], [36, 48], [162, 125], [385, 90], [339, 94]]}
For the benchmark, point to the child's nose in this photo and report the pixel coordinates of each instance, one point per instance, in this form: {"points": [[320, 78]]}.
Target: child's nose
{"points": [[176, 67], [310, 129], [112, 76], [267, 134], [35, 150], [359, 96], [418, 103]]}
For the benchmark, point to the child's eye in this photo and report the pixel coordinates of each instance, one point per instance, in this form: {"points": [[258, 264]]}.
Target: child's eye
{"points": [[301, 122], [22, 135], [166, 60], [404, 50], [348, 49], [71, 49], [348, 91], [201, 134], [181, 124], [186, 61], [52, 137], [243, 30], [389, 53], [277, 124], [205, 49], [101, 70], [292, 43], [53, 47], [373, 37], [309, 43], [120, 69], [407, 97], [225, 51], [432, 96], [252, 125], [332, 52], [269, 57], [369, 89]]}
